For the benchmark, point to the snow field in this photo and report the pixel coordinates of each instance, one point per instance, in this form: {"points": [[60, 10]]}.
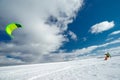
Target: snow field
{"points": [[86, 69]]}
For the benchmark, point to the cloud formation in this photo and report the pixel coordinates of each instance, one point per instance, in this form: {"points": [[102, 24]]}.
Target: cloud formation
{"points": [[103, 26], [115, 32], [9, 61], [44, 23], [72, 35], [94, 50]]}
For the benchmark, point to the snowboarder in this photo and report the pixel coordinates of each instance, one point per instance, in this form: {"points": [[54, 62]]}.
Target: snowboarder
{"points": [[107, 55]]}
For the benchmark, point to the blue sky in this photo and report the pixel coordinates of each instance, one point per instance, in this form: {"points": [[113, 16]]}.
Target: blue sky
{"points": [[62, 30], [94, 11]]}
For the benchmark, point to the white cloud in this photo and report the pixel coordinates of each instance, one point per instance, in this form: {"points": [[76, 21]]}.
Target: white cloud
{"points": [[9, 61], [90, 49], [114, 51], [84, 38], [115, 32], [85, 51], [109, 43], [73, 35], [103, 26], [44, 23], [108, 39]]}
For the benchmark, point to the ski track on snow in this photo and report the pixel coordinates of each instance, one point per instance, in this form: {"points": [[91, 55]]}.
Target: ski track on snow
{"points": [[38, 76]]}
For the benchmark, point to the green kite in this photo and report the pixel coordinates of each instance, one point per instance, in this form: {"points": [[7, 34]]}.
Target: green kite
{"points": [[11, 27]]}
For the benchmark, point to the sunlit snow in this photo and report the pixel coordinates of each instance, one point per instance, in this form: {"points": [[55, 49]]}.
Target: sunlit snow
{"points": [[85, 69]]}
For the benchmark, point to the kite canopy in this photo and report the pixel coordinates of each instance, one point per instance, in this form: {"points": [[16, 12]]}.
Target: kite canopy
{"points": [[11, 27]]}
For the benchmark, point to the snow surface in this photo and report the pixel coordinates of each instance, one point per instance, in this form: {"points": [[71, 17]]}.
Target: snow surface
{"points": [[86, 69]]}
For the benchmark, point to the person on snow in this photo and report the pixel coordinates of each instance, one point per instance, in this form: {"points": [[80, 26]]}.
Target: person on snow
{"points": [[107, 55]]}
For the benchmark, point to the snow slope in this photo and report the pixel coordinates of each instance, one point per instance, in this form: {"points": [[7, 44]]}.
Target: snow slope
{"points": [[86, 69]]}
